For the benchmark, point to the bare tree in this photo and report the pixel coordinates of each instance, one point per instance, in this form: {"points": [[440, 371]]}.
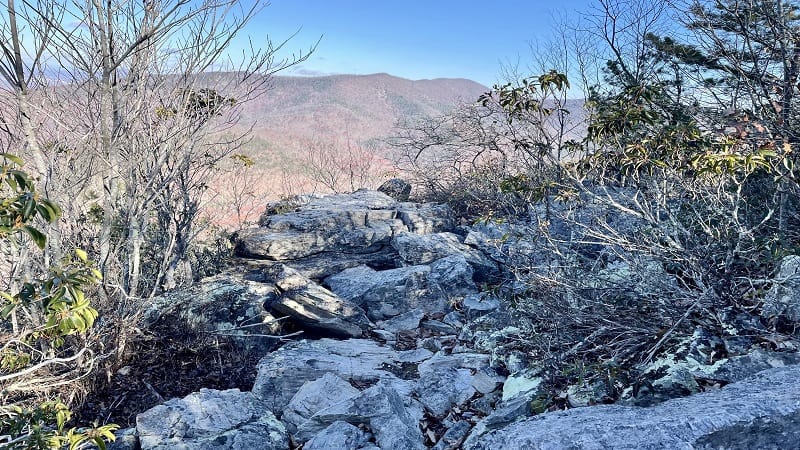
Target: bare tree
{"points": [[138, 110], [339, 165]]}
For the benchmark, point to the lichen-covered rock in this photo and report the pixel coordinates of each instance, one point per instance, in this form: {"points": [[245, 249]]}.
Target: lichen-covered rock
{"points": [[361, 222], [760, 412], [211, 419], [225, 303]]}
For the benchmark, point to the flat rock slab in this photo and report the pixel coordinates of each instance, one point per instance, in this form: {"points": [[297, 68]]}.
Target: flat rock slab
{"points": [[761, 412]]}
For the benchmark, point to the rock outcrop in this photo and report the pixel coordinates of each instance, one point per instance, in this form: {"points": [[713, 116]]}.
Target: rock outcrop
{"points": [[401, 350]]}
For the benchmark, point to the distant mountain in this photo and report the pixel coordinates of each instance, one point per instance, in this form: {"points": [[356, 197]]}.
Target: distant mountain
{"points": [[363, 106], [339, 112]]}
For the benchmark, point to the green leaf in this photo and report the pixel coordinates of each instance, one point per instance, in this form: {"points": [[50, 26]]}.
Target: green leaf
{"points": [[38, 238], [13, 158]]}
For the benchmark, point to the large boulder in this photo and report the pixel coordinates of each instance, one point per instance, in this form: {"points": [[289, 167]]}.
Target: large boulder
{"points": [[760, 412], [225, 304], [361, 222], [211, 420], [388, 293], [382, 409], [312, 397]]}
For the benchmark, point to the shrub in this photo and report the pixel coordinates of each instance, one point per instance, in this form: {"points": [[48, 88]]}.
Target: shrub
{"points": [[42, 322]]}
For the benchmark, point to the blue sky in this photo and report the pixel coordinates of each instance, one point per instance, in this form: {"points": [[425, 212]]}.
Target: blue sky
{"points": [[412, 38]]}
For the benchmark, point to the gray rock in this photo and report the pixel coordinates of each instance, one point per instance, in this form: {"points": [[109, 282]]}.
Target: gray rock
{"points": [[314, 396], [325, 264], [352, 283], [783, 299], [211, 419], [361, 222], [455, 319], [338, 435], [396, 188], [477, 305], [382, 408], [738, 368], [388, 293], [414, 356], [441, 390], [316, 307], [400, 290], [446, 381], [406, 321], [357, 223], [504, 414], [486, 380], [504, 241], [453, 275], [416, 249], [386, 336], [453, 436], [282, 373], [760, 412], [126, 439], [426, 218], [438, 326], [226, 304]]}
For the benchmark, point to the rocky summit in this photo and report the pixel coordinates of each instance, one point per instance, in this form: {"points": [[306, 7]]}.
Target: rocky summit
{"points": [[401, 347]]}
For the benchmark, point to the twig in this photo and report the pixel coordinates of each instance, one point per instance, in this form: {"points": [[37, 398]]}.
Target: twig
{"points": [[43, 364]]}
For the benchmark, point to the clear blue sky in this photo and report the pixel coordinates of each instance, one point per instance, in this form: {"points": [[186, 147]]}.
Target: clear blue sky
{"points": [[413, 39]]}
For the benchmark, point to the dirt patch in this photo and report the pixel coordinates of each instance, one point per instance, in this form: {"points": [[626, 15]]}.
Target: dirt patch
{"points": [[165, 363]]}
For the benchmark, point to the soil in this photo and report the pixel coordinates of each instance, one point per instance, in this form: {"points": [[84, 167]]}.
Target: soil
{"points": [[162, 364]]}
